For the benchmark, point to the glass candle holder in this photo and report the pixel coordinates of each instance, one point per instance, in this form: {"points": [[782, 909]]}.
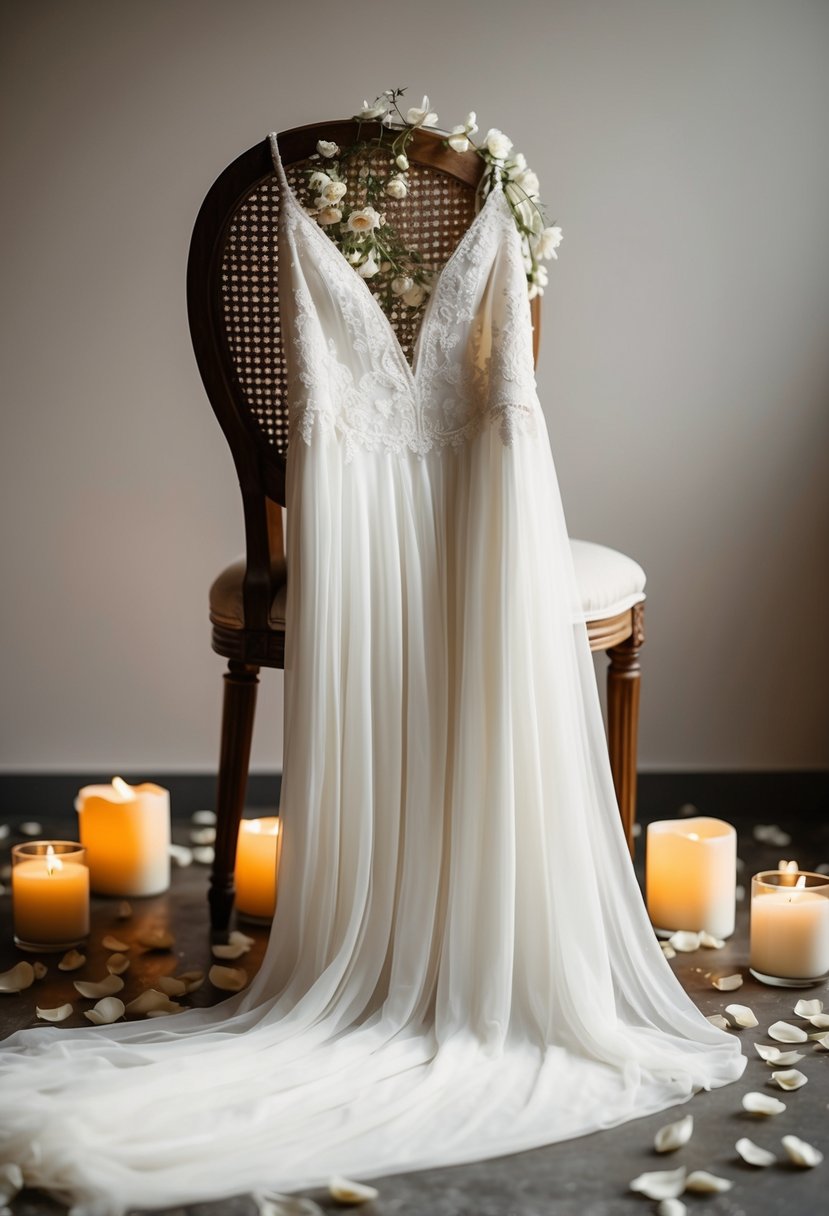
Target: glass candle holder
{"points": [[50, 895], [691, 875], [789, 928], [257, 860]]}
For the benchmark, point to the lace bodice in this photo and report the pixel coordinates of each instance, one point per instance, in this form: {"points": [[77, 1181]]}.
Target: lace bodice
{"points": [[347, 373]]}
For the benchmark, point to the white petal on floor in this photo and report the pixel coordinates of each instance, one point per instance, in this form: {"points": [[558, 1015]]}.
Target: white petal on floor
{"points": [[784, 1032], [707, 1184], [753, 1154], [762, 1104], [792, 1079], [660, 1184], [673, 1135], [801, 1153]]}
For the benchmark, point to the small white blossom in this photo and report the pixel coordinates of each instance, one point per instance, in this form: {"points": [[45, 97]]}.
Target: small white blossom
{"points": [[541, 276], [548, 242], [421, 116], [369, 268], [329, 215], [326, 148], [377, 110], [318, 181], [414, 296], [516, 165], [397, 187], [498, 144], [471, 124], [355, 256], [331, 193], [457, 140], [401, 284], [534, 290], [363, 219], [402, 162], [528, 181]]}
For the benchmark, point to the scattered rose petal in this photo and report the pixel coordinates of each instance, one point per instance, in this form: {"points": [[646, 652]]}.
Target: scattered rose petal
{"points": [[117, 964], [345, 1191], [236, 945], [707, 1184], [171, 986], [229, 979], [73, 960], [105, 987], [124, 911], [181, 855], [727, 983], [203, 836], [784, 1032], [204, 854], [208, 817], [710, 942], [4, 831], [671, 1207], [21, 976], [40, 969], [821, 1040], [771, 833], [157, 939], [717, 1019], [801, 1153], [773, 1055], [753, 1154], [823, 868], [193, 979], [271, 1203], [164, 1013], [59, 1014], [31, 828], [636, 830], [821, 1020], [741, 1016], [684, 941], [791, 1079], [673, 1135], [5, 871], [660, 1184], [762, 1104], [739, 892], [110, 1009], [114, 943], [149, 1000], [11, 1181], [667, 949]]}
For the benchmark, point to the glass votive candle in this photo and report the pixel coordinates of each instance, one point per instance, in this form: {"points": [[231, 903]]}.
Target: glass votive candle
{"points": [[50, 895], [789, 928], [691, 875], [257, 860]]}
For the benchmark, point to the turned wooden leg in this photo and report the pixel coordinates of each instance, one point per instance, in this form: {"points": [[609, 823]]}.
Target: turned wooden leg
{"points": [[240, 681], [623, 681]]}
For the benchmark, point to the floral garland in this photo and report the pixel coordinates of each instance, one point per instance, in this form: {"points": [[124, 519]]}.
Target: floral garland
{"points": [[361, 230]]}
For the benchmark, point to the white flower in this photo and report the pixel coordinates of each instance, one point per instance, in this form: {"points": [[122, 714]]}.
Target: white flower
{"points": [[375, 111], [397, 187], [326, 148], [421, 117], [498, 144], [471, 124], [318, 181], [363, 219], [415, 295], [528, 181], [329, 215], [369, 268], [402, 162], [331, 193], [526, 211], [402, 284], [355, 256], [548, 242], [534, 291], [457, 140], [516, 165]]}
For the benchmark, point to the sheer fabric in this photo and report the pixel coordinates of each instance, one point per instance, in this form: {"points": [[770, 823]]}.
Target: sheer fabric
{"points": [[460, 964]]}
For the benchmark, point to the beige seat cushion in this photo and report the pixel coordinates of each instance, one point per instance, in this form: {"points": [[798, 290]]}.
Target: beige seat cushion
{"points": [[609, 583]]}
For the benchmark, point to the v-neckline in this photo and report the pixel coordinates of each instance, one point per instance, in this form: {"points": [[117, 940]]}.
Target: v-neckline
{"points": [[410, 369]]}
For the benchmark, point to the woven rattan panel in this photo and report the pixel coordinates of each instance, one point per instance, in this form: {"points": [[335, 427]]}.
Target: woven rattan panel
{"points": [[432, 218]]}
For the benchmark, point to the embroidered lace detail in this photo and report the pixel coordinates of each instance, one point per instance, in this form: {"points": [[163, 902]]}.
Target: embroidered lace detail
{"points": [[347, 374]]}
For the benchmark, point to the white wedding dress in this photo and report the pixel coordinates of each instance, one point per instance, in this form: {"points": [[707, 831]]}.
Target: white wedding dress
{"points": [[460, 965]]}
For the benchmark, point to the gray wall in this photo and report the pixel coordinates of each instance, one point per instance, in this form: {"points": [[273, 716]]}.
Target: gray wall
{"points": [[684, 366]]}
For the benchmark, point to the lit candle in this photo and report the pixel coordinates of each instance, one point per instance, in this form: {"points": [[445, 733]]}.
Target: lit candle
{"points": [[126, 832], [691, 875], [257, 860], [789, 926], [50, 895]]}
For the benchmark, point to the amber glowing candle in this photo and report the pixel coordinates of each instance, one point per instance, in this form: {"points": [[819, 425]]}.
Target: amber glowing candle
{"points": [[257, 861], [126, 832], [50, 895], [789, 927], [691, 875]]}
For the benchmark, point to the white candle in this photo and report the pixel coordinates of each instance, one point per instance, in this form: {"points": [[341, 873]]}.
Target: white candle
{"points": [[257, 860], [691, 875], [50, 895], [789, 925], [126, 832]]}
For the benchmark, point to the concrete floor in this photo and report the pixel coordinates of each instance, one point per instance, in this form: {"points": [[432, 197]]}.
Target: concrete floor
{"points": [[585, 1177]]}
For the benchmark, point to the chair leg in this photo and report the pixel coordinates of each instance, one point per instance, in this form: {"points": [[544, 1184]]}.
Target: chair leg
{"points": [[623, 684], [238, 710]]}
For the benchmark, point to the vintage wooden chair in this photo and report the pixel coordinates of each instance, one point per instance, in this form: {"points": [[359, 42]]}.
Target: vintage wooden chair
{"points": [[233, 309]]}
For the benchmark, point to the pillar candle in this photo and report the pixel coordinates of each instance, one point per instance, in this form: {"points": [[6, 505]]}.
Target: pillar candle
{"points": [[126, 832], [50, 895], [691, 875], [257, 859], [789, 925]]}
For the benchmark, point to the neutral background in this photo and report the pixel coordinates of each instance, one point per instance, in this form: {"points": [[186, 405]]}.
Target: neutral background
{"points": [[684, 371]]}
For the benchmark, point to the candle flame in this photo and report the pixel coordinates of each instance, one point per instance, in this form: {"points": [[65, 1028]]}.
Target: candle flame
{"points": [[121, 788], [255, 825], [53, 862], [801, 882]]}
